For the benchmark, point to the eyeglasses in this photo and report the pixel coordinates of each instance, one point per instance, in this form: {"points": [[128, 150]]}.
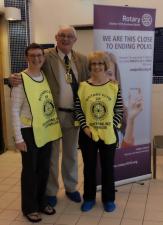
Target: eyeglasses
{"points": [[35, 56], [97, 64], [63, 36]]}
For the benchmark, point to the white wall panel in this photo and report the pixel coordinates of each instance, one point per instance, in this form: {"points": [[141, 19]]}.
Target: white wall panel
{"points": [[47, 15]]}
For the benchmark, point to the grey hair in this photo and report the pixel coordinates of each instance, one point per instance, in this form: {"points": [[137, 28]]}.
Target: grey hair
{"points": [[67, 27]]}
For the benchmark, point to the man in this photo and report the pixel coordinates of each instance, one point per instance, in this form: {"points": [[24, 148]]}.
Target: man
{"points": [[63, 65], [60, 84]]}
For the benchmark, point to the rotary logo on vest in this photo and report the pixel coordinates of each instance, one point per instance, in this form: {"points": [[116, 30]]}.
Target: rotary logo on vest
{"points": [[48, 108], [98, 110]]}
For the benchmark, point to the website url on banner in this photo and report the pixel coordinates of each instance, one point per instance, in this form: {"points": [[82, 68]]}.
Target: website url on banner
{"points": [[140, 69], [126, 164]]}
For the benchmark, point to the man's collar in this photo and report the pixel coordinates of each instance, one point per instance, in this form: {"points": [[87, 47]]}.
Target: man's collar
{"points": [[62, 55]]}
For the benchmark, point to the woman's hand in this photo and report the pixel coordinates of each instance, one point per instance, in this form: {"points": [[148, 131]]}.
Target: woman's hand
{"points": [[87, 132], [21, 146]]}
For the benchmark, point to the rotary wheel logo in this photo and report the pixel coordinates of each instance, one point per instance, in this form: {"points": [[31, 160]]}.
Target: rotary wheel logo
{"points": [[99, 110], [146, 20], [48, 108]]}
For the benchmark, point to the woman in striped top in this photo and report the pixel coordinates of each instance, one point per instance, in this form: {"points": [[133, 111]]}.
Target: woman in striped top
{"points": [[99, 109]]}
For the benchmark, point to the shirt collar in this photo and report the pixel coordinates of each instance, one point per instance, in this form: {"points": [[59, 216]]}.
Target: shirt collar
{"points": [[62, 55]]}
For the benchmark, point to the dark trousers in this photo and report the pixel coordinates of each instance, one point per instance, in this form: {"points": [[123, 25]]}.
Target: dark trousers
{"points": [[35, 172], [89, 150]]}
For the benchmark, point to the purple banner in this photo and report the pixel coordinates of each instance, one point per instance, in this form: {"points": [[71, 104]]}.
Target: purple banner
{"points": [[127, 35], [132, 162], [125, 18]]}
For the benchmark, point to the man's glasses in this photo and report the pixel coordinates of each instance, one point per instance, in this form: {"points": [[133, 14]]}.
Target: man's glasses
{"points": [[97, 64], [63, 36]]}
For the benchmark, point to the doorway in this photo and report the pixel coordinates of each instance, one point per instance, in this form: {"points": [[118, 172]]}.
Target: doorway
{"points": [[2, 109]]}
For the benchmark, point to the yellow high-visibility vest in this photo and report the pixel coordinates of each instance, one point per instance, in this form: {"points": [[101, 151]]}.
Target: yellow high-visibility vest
{"points": [[97, 103], [44, 122]]}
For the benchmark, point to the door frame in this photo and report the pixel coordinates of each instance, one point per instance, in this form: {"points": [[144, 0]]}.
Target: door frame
{"points": [[2, 92]]}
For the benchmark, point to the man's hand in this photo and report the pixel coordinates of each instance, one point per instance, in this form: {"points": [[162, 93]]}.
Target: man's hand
{"points": [[15, 79], [21, 146]]}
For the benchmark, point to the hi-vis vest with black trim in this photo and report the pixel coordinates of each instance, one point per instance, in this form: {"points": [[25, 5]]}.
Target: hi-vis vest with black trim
{"points": [[45, 122], [97, 103]]}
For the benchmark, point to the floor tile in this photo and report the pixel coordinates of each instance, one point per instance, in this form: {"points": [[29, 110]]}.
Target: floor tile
{"points": [[15, 205], [10, 181], [131, 222], [155, 202], [136, 204], [118, 213], [97, 211], [5, 187], [152, 223], [154, 215], [73, 208], [7, 199], [134, 211], [137, 198], [140, 188], [9, 214], [90, 220], [50, 219], [124, 188], [5, 222], [15, 188], [67, 219], [109, 221]]}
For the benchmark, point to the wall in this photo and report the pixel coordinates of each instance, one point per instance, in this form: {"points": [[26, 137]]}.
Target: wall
{"points": [[47, 15], [78, 12], [84, 43], [18, 35], [157, 109], [5, 92], [1, 3], [15, 41]]}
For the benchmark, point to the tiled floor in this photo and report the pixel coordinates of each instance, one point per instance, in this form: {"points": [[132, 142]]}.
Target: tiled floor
{"points": [[136, 204]]}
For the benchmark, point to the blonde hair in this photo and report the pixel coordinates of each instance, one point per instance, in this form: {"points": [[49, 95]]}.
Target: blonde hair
{"points": [[98, 55]]}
